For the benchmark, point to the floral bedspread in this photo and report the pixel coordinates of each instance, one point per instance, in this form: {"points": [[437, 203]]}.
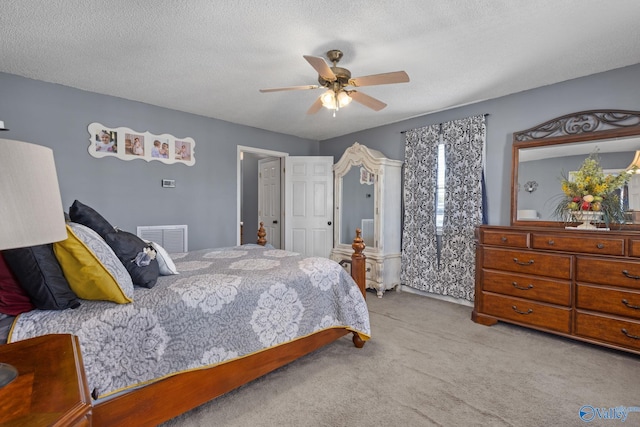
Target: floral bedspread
{"points": [[224, 304]]}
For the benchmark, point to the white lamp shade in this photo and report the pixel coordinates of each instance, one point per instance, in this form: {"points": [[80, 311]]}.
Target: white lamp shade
{"points": [[30, 204]]}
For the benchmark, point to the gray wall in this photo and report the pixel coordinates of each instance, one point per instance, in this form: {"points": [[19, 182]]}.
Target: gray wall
{"points": [[617, 89], [128, 193]]}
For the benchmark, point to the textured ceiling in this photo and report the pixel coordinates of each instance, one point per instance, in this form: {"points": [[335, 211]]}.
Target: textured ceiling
{"points": [[211, 57]]}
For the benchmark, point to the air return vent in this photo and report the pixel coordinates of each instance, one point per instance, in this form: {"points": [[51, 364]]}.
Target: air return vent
{"points": [[173, 238]]}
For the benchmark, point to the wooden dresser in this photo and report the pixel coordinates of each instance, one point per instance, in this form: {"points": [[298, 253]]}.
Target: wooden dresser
{"points": [[579, 284]]}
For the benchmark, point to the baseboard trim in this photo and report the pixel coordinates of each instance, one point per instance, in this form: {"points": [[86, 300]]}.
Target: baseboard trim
{"points": [[405, 288]]}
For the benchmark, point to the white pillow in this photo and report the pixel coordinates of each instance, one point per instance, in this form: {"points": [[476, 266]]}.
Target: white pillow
{"points": [[167, 267]]}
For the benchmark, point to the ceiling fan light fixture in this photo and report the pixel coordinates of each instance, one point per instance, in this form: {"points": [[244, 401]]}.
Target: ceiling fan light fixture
{"points": [[328, 100], [333, 101], [343, 99]]}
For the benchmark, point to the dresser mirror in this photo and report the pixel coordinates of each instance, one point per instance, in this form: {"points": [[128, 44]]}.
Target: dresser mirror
{"points": [[357, 205], [544, 153]]}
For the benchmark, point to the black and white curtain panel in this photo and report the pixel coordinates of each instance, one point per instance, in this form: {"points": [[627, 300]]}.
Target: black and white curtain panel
{"points": [[450, 269]]}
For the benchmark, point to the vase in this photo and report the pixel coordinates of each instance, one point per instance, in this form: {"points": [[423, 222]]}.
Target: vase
{"points": [[587, 217]]}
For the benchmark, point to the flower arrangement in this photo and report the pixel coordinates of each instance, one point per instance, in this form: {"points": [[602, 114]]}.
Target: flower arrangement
{"points": [[592, 191]]}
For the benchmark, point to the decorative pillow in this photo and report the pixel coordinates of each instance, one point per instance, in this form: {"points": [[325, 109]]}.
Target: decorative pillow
{"points": [[105, 254], [87, 275], [165, 263], [127, 246], [13, 299], [40, 275], [88, 217]]}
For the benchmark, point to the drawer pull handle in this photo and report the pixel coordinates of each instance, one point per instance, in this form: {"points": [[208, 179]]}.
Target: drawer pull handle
{"points": [[635, 307], [635, 337], [551, 242], [525, 263], [521, 312], [630, 276], [515, 285], [504, 239], [600, 245]]}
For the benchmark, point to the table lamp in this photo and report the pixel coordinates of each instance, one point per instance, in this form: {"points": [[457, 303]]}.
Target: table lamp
{"points": [[30, 205]]}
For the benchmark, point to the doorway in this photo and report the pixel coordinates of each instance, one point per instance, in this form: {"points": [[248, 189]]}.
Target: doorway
{"points": [[247, 191]]}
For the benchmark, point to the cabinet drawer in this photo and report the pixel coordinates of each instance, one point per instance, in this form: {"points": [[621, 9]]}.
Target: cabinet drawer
{"points": [[634, 247], [608, 272], [527, 312], [528, 262], [530, 287], [507, 239], [592, 245], [615, 331], [607, 300]]}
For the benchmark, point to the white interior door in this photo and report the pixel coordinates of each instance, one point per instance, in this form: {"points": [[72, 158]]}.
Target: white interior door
{"points": [[269, 199], [309, 205]]}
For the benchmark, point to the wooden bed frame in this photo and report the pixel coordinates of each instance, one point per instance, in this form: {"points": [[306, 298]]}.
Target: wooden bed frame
{"points": [[160, 401]]}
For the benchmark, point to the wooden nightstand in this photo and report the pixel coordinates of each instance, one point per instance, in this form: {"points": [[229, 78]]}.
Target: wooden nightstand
{"points": [[51, 388]]}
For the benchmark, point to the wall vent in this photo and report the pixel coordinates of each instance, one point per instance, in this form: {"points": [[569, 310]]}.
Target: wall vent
{"points": [[173, 238]]}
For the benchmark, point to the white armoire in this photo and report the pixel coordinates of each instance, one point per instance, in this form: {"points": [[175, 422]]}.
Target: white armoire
{"points": [[368, 196]]}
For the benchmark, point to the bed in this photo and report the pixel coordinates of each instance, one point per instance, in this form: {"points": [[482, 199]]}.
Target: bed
{"points": [[152, 359]]}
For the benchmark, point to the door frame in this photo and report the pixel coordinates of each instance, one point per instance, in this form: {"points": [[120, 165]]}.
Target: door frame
{"points": [[241, 149]]}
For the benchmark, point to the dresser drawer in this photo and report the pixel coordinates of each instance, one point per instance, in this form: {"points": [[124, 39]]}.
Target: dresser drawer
{"points": [[528, 262], [608, 272], [527, 312], [592, 245], [506, 239], [615, 331], [607, 300], [634, 248], [530, 287]]}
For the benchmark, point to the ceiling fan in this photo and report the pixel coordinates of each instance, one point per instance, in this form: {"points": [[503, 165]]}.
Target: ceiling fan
{"points": [[337, 79]]}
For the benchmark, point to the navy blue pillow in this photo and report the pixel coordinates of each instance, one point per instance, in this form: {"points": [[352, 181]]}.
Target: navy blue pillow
{"points": [[37, 270], [87, 216], [127, 246]]}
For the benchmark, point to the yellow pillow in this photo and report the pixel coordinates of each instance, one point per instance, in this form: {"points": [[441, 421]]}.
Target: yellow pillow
{"points": [[88, 278]]}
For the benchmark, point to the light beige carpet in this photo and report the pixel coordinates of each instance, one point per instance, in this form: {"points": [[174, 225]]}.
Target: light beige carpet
{"points": [[428, 364]]}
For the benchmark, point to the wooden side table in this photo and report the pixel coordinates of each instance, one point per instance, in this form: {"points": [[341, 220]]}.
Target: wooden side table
{"points": [[51, 387]]}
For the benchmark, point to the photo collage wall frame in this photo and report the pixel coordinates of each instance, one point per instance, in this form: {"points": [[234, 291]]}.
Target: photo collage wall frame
{"points": [[127, 144]]}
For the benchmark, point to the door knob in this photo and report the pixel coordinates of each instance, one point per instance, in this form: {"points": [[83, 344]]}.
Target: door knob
{"points": [[275, 221], [329, 223]]}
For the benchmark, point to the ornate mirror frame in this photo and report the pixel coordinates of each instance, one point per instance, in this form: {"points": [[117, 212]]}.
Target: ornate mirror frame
{"points": [[589, 125], [357, 155]]}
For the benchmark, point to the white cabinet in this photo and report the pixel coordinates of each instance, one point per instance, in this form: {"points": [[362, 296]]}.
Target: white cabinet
{"points": [[368, 196]]}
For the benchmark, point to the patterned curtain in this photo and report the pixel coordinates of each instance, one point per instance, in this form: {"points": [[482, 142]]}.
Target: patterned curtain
{"points": [[453, 274], [464, 143], [419, 240]]}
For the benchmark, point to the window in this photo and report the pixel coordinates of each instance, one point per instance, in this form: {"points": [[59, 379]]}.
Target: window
{"points": [[440, 190]]}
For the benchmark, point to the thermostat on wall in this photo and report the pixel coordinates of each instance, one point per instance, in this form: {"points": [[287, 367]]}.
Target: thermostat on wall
{"points": [[169, 183]]}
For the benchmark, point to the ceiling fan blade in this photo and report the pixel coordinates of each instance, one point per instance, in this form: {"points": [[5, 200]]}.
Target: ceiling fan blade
{"points": [[380, 79], [367, 100], [279, 89], [315, 107], [321, 66]]}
